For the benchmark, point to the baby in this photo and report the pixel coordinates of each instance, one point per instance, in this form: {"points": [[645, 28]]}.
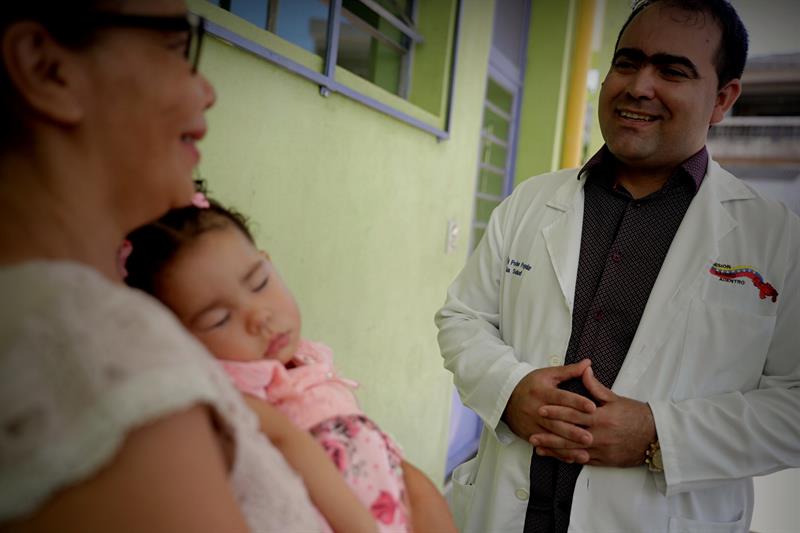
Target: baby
{"points": [[201, 261]]}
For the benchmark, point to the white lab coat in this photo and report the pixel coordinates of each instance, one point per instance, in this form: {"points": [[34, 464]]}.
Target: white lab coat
{"points": [[719, 366]]}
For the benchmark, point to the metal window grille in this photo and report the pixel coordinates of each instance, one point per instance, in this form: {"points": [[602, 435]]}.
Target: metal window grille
{"points": [[389, 25]]}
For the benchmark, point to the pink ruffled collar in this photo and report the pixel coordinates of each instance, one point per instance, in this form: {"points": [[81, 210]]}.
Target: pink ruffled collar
{"points": [[270, 379]]}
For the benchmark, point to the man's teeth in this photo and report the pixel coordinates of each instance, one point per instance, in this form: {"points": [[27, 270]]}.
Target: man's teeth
{"points": [[636, 116]]}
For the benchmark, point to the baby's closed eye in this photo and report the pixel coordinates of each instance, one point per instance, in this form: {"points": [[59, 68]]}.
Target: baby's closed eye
{"points": [[211, 319]]}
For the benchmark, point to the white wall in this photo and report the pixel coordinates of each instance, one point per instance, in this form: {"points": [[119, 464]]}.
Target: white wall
{"points": [[777, 508], [772, 25]]}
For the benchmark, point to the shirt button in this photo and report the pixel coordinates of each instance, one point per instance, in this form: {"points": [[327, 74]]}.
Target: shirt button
{"points": [[521, 494], [616, 257], [555, 361], [598, 315]]}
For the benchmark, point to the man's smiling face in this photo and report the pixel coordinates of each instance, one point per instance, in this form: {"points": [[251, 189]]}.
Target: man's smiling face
{"points": [[661, 93]]}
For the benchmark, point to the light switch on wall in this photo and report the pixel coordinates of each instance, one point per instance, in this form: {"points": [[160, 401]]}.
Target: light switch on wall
{"points": [[452, 237]]}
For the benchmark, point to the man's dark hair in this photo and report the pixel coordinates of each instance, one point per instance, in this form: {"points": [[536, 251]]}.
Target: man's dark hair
{"points": [[731, 54]]}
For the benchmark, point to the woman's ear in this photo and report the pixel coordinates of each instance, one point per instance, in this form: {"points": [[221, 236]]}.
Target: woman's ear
{"points": [[45, 74]]}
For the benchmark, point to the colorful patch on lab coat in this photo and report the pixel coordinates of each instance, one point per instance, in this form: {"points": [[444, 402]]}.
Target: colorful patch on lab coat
{"points": [[731, 274]]}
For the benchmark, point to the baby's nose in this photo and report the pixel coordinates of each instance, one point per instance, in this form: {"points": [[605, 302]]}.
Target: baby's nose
{"points": [[258, 320]]}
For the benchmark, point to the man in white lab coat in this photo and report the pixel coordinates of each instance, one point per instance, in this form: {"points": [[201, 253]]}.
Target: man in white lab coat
{"points": [[630, 333]]}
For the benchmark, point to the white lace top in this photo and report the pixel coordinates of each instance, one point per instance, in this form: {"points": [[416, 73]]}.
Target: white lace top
{"points": [[83, 361]]}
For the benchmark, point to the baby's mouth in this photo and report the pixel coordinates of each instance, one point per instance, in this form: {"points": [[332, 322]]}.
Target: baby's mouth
{"points": [[277, 343]]}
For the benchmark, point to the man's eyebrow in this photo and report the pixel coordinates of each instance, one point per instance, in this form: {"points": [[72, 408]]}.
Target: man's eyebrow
{"points": [[669, 59], [630, 53], [660, 59]]}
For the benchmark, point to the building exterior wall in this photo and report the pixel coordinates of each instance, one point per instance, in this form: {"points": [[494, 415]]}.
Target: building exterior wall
{"points": [[353, 205]]}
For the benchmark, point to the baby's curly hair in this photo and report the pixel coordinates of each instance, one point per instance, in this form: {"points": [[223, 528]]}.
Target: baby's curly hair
{"points": [[156, 244]]}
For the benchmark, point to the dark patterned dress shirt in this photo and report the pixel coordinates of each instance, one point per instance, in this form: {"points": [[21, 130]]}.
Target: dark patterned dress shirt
{"points": [[623, 244]]}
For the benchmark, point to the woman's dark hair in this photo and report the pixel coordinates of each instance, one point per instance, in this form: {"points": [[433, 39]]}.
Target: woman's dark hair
{"points": [[67, 22], [731, 54], [157, 243]]}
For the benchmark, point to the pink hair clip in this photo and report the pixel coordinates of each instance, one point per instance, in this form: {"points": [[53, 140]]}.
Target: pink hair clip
{"points": [[200, 201], [122, 257]]}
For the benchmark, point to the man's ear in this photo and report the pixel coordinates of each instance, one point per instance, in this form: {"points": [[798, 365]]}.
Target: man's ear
{"points": [[726, 97], [44, 73]]}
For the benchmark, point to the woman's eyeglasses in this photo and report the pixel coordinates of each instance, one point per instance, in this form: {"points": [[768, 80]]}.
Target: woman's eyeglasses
{"points": [[191, 23]]}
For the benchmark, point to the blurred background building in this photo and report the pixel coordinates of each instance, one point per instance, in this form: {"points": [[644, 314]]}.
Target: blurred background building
{"points": [[760, 139]]}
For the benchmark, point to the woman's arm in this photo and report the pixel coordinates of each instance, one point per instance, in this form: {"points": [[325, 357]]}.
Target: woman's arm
{"points": [[429, 511], [326, 486], [168, 476]]}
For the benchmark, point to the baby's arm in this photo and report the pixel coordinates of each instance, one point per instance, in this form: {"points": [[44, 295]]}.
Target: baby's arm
{"points": [[429, 511], [326, 486]]}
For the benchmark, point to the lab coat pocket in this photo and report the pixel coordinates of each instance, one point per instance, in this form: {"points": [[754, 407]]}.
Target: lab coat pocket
{"points": [[678, 524], [724, 350], [463, 490]]}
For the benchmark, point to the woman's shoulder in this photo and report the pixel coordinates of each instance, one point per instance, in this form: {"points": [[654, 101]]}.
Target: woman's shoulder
{"points": [[73, 314], [82, 361]]}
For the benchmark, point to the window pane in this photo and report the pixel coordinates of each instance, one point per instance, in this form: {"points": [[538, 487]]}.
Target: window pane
{"points": [[304, 23], [509, 29], [301, 22], [399, 8], [483, 209], [253, 11], [494, 124], [372, 48], [490, 183], [494, 154], [499, 96], [369, 45]]}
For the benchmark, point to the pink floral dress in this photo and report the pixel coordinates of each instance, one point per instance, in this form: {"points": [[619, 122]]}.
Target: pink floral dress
{"points": [[316, 399]]}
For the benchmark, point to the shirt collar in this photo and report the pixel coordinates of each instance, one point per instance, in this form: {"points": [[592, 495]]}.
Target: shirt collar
{"points": [[695, 167]]}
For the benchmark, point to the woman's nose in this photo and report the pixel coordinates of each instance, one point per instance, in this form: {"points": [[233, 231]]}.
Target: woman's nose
{"points": [[209, 94]]}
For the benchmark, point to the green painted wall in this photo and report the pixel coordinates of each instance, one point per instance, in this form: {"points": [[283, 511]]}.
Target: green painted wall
{"points": [[546, 78], [353, 207], [616, 12]]}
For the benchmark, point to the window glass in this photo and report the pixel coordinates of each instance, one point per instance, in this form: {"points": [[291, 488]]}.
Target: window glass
{"points": [[494, 154], [484, 208], [509, 29], [373, 53], [370, 44], [495, 123], [304, 23], [372, 47], [253, 11], [499, 96], [490, 182]]}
